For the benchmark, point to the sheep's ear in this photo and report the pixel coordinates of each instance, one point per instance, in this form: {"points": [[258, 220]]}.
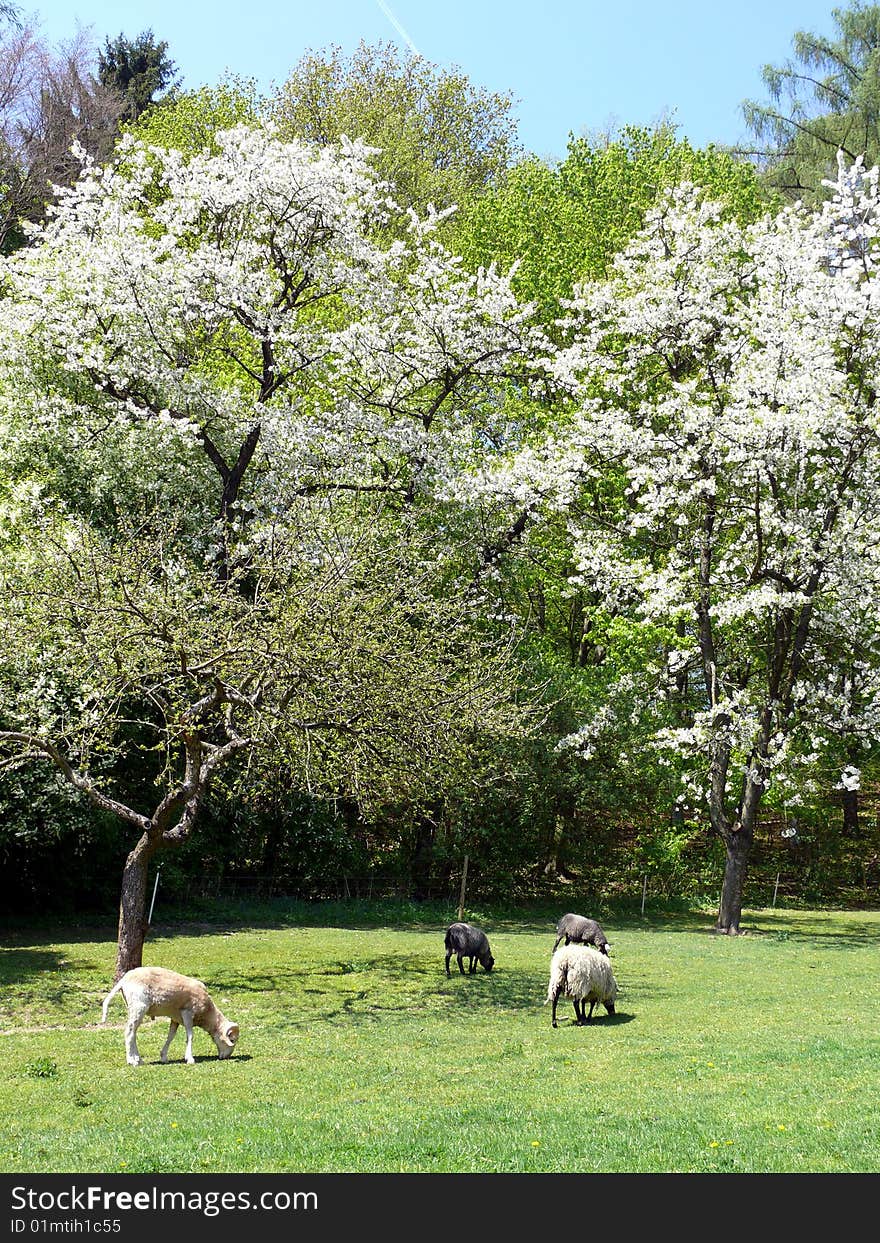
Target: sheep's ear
{"points": [[232, 1032]]}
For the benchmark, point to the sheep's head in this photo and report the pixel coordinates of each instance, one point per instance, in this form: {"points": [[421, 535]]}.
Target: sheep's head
{"points": [[488, 962], [226, 1038]]}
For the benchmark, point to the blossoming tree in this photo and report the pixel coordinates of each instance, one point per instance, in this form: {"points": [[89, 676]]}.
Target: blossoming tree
{"points": [[720, 471], [227, 395]]}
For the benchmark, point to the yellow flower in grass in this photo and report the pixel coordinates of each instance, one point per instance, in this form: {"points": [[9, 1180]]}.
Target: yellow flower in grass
{"points": [[536, 1143], [714, 1144]]}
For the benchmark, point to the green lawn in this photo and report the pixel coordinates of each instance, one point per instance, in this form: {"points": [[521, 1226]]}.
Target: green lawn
{"points": [[758, 1053]]}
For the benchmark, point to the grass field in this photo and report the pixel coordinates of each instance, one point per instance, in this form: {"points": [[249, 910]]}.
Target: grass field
{"points": [[759, 1053]]}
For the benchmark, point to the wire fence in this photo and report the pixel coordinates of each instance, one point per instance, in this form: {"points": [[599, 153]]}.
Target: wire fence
{"points": [[330, 889], [645, 889]]}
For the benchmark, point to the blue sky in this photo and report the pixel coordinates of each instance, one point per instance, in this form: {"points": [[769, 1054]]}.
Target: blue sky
{"points": [[573, 65]]}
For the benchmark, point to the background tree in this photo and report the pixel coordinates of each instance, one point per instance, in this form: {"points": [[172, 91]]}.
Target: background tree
{"points": [[561, 224], [724, 473], [49, 101], [137, 69], [564, 223], [440, 138], [825, 99], [190, 120], [232, 318]]}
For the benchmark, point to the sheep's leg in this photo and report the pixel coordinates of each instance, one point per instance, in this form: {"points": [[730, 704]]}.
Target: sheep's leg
{"points": [[578, 1014], [473, 965], [187, 1016], [592, 1006], [172, 1032], [136, 1014], [555, 999], [460, 963], [556, 944], [448, 956]]}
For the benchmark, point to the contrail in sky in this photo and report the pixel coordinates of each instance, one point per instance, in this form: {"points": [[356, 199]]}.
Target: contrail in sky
{"points": [[397, 26]]}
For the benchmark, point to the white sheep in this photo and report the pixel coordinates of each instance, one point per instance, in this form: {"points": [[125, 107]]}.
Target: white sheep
{"points": [[585, 975], [156, 991]]}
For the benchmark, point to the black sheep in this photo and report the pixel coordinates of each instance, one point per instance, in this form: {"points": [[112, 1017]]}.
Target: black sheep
{"points": [[465, 941], [581, 930]]}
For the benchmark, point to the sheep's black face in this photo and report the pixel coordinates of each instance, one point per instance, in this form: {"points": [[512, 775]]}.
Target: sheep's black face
{"points": [[610, 1007], [488, 962]]}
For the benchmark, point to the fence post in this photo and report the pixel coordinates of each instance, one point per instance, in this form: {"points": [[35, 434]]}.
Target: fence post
{"points": [[463, 887], [644, 890], [776, 888]]}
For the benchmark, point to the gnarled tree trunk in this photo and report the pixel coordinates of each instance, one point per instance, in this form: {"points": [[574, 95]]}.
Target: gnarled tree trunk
{"points": [[133, 926]]}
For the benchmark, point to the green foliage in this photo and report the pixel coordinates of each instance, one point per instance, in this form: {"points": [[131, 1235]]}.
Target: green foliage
{"points": [[440, 139], [827, 97], [667, 853], [189, 121], [564, 224], [138, 69], [56, 852], [357, 1054], [387, 699]]}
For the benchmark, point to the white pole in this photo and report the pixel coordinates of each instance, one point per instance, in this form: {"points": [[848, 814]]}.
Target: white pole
{"points": [[644, 890], [153, 903], [776, 887]]}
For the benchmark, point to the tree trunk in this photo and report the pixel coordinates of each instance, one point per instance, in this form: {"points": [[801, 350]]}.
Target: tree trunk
{"points": [[555, 865], [851, 813], [738, 847], [851, 799], [133, 924], [423, 855]]}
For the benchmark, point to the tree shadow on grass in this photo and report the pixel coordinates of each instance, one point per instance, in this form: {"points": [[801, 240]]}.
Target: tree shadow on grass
{"points": [[377, 987], [21, 966], [506, 988], [404, 986], [69, 930], [370, 988], [804, 927]]}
